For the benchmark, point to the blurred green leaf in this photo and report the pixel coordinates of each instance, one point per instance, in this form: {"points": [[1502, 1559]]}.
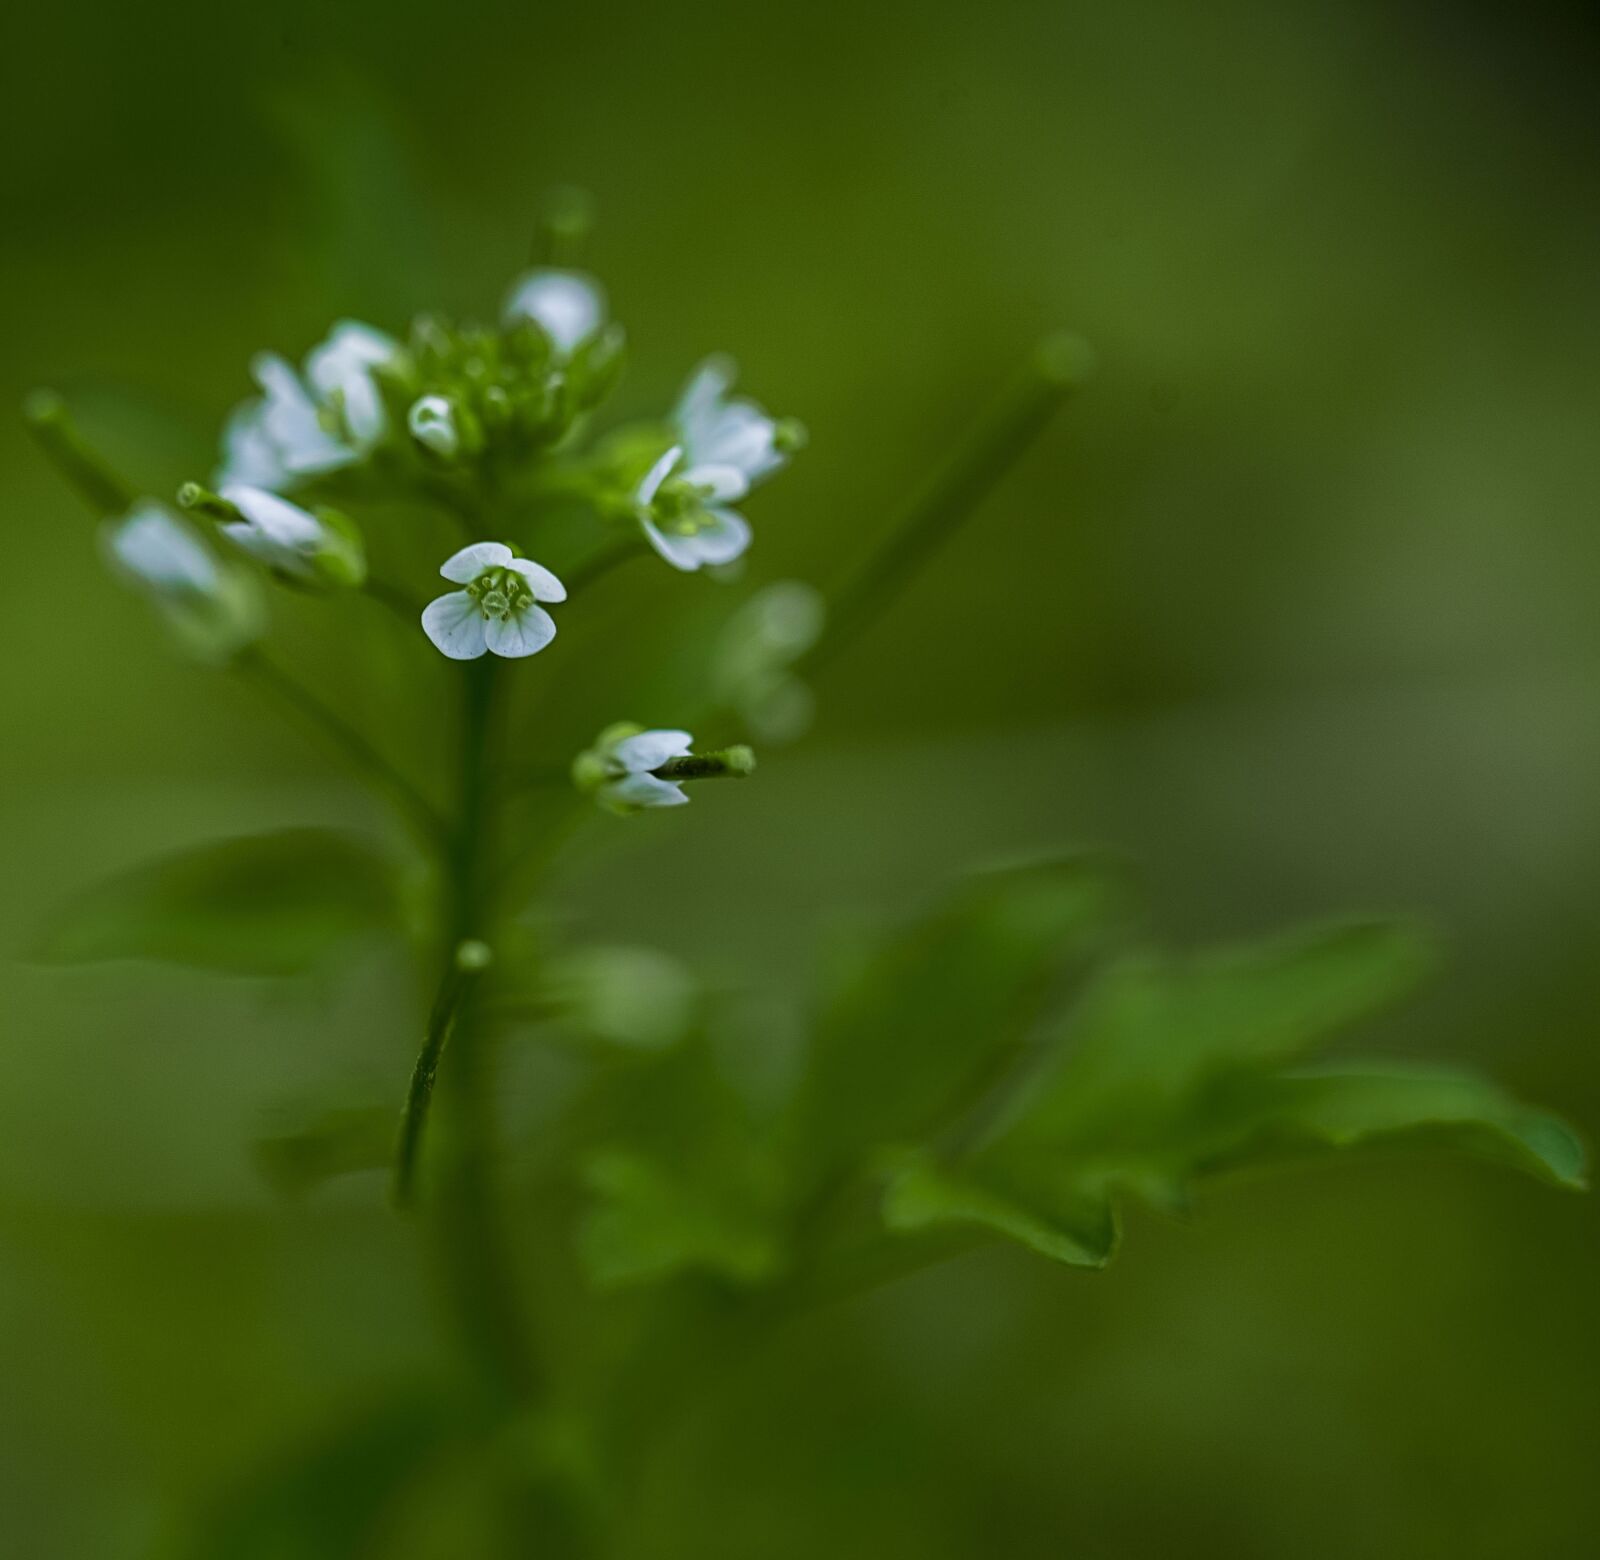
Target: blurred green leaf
{"points": [[926, 1017], [1156, 1028], [635, 997], [687, 1179], [336, 1141], [1173, 1068], [264, 904], [648, 1223], [1069, 1222], [1381, 1106]]}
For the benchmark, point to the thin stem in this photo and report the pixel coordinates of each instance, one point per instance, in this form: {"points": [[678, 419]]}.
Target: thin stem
{"points": [[441, 1020], [601, 562], [395, 599], [106, 492], [254, 666], [1058, 366]]}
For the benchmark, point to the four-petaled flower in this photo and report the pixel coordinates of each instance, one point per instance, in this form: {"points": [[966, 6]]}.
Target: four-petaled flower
{"points": [[568, 306], [496, 610], [618, 767], [304, 425], [725, 445]]}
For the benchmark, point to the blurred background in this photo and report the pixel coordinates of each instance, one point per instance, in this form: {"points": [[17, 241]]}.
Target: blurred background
{"points": [[1297, 607]]}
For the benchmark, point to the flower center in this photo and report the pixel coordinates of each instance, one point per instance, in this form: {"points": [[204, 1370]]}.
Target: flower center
{"points": [[500, 592], [680, 506]]}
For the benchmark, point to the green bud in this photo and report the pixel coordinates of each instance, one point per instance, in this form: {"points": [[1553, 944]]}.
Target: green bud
{"points": [[202, 501]]}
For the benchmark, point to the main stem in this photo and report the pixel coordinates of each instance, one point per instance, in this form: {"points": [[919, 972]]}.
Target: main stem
{"points": [[469, 1220]]}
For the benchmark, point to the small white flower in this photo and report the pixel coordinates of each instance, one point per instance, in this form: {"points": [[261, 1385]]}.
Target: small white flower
{"points": [[568, 306], [213, 608], [157, 550], [273, 531], [303, 426], [496, 610], [683, 510], [618, 768], [432, 421], [725, 446], [717, 429]]}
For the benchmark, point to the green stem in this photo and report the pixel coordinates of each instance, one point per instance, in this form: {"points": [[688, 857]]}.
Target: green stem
{"points": [[255, 667], [51, 424], [469, 1222], [601, 562], [1059, 365]]}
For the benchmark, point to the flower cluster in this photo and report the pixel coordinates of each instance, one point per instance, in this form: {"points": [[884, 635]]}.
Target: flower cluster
{"points": [[489, 425]]}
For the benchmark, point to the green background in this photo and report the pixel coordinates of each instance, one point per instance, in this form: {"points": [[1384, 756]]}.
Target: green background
{"points": [[1297, 607]]}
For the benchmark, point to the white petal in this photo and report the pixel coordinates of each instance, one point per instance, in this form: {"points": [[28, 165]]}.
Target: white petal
{"points": [[289, 418], [644, 791], [364, 413], [523, 633], [283, 523], [723, 484], [651, 749], [743, 436], [275, 554], [725, 538], [465, 566], [645, 493], [544, 585], [248, 454], [350, 350], [454, 623], [696, 410], [567, 305], [157, 549], [679, 551]]}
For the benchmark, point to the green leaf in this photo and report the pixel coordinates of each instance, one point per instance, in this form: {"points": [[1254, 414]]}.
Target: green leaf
{"points": [[688, 1177], [1071, 1222], [265, 904], [1173, 1069], [648, 1223], [930, 1015], [339, 1140], [1155, 1028], [1384, 1107]]}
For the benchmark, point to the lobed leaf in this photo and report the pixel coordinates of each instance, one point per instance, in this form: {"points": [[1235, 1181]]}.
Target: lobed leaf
{"points": [[932, 1013]]}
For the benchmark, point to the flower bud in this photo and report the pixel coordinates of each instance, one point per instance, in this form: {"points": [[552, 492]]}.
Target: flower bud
{"points": [[432, 421]]}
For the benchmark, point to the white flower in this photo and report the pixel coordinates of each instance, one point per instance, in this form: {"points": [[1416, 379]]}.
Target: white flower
{"points": [[725, 446], [683, 510], [273, 531], [304, 425], [496, 610], [214, 609], [619, 766], [157, 550], [432, 421], [568, 306], [718, 430]]}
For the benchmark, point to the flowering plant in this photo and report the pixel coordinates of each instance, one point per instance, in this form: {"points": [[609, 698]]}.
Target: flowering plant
{"points": [[1014, 1064]]}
